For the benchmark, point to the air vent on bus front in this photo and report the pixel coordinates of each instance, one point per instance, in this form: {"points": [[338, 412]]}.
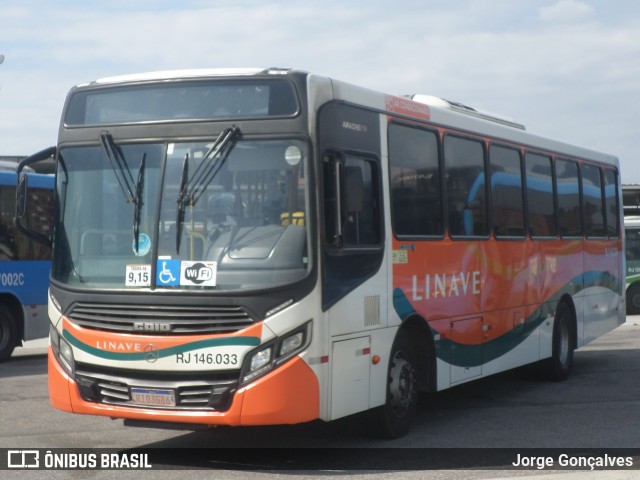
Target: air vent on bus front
{"points": [[159, 319]]}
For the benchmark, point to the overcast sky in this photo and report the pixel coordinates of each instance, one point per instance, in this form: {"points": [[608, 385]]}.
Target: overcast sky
{"points": [[567, 69]]}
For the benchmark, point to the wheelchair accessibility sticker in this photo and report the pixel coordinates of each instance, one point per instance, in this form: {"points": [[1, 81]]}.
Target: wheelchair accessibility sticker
{"points": [[168, 273]]}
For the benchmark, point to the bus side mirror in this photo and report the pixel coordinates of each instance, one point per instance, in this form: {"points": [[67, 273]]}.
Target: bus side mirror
{"points": [[22, 195]]}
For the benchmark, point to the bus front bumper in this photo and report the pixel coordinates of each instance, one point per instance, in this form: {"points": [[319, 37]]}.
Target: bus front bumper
{"points": [[287, 395]]}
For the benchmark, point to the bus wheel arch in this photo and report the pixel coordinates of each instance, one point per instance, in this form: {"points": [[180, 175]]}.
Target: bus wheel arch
{"points": [[11, 326], [411, 368], [421, 339]]}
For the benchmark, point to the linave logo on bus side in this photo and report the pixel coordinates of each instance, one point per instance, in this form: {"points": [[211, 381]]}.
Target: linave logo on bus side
{"points": [[446, 285]]}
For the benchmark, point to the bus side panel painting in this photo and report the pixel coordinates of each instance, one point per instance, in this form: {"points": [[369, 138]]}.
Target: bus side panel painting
{"points": [[511, 275], [511, 282], [489, 312], [602, 287], [440, 279], [561, 259]]}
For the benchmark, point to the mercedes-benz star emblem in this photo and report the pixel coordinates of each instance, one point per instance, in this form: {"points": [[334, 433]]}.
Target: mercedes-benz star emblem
{"points": [[151, 353]]}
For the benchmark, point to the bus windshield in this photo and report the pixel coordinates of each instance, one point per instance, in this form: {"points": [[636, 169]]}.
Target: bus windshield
{"points": [[244, 228]]}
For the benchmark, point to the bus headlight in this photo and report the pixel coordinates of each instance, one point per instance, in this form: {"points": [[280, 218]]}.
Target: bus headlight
{"points": [[260, 363], [291, 344], [260, 359], [272, 354], [62, 351]]}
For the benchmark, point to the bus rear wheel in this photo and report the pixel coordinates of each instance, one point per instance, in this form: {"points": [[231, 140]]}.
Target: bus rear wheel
{"points": [[558, 367], [394, 418], [8, 333]]}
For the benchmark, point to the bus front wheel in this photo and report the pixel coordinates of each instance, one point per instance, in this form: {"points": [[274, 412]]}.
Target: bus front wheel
{"points": [[394, 418], [8, 333]]}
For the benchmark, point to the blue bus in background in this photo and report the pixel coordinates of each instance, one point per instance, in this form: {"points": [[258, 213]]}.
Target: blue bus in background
{"points": [[25, 264]]}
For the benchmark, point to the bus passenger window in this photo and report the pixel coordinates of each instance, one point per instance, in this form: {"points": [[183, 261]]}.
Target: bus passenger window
{"points": [[593, 201], [540, 203], [416, 193], [506, 192], [466, 189], [612, 207], [568, 188]]}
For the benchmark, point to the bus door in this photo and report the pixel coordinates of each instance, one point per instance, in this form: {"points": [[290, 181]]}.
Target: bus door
{"points": [[354, 276]]}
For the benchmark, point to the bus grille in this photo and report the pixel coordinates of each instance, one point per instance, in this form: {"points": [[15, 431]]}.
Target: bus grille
{"points": [[159, 319], [212, 391]]}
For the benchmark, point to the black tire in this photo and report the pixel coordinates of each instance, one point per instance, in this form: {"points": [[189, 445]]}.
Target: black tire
{"points": [[394, 418], [8, 333], [633, 299], [558, 367]]}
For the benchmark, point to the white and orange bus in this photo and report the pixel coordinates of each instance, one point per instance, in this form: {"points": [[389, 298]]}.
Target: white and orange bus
{"points": [[252, 247]]}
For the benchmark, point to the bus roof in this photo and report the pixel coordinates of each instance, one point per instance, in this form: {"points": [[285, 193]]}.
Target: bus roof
{"points": [[422, 107], [464, 119], [177, 74]]}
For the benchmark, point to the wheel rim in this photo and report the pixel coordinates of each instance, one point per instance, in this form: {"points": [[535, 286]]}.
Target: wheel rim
{"points": [[401, 385]]}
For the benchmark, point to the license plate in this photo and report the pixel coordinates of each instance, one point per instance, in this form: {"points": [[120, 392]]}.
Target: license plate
{"points": [[153, 397]]}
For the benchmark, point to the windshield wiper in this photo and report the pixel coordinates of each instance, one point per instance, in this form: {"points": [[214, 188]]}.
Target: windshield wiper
{"points": [[125, 180], [138, 204], [212, 162], [209, 167], [119, 165], [181, 201]]}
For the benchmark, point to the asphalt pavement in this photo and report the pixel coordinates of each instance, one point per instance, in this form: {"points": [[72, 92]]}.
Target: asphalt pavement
{"points": [[39, 347]]}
